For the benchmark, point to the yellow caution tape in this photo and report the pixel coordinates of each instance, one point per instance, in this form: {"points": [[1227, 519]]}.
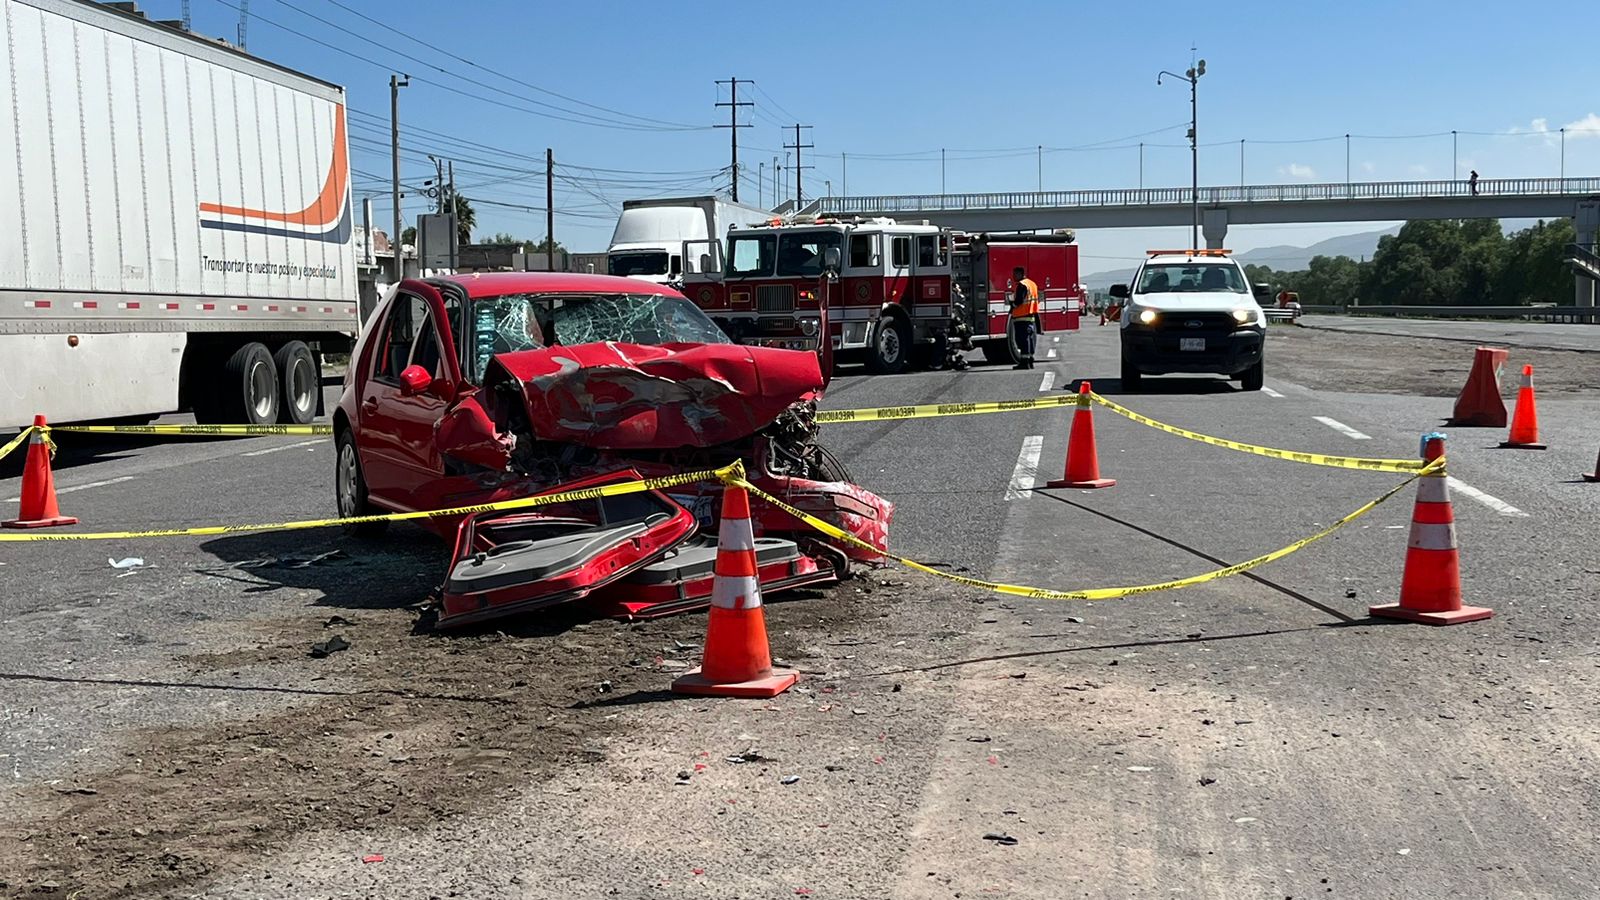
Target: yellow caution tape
{"points": [[1092, 593], [940, 410], [734, 471], [15, 442], [1315, 459], [201, 430]]}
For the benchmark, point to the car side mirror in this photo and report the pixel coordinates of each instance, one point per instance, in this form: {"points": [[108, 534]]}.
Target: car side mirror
{"points": [[1120, 291], [830, 259], [675, 268], [414, 380]]}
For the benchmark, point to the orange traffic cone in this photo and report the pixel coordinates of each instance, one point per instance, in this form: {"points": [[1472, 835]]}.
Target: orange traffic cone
{"points": [[737, 661], [1430, 588], [39, 508], [1083, 460], [1525, 421]]}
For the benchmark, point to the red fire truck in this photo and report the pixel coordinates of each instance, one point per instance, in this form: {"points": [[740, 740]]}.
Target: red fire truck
{"points": [[883, 292]]}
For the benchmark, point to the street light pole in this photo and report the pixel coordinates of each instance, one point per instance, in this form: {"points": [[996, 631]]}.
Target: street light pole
{"points": [[1192, 75]]}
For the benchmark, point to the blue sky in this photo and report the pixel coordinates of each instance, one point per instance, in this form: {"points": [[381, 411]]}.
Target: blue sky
{"points": [[887, 85]]}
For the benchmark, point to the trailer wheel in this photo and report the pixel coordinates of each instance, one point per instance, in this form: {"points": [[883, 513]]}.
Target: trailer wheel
{"points": [[891, 346], [300, 383], [250, 386]]}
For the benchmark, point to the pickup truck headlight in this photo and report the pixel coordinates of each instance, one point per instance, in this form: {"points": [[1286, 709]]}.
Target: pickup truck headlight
{"points": [[1148, 316], [1246, 317]]}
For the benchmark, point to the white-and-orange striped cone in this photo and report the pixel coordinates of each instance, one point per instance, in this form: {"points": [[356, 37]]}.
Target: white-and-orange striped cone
{"points": [[738, 660], [1430, 588], [1525, 419], [38, 501]]}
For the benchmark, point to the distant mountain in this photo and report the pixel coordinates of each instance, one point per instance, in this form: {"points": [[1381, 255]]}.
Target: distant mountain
{"points": [[1284, 258]]}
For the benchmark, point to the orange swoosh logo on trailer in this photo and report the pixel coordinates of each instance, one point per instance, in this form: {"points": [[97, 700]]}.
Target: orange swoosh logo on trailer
{"points": [[322, 211]]}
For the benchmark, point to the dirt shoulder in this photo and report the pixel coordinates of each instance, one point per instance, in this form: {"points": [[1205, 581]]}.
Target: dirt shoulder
{"points": [[442, 732], [1431, 367]]}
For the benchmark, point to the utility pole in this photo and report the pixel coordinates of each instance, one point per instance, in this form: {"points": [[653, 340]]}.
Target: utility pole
{"points": [[733, 126], [396, 82], [438, 183], [1041, 168], [941, 170], [1141, 165], [761, 179], [776, 172], [550, 209], [844, 174], [797, 146], [455, 245]]}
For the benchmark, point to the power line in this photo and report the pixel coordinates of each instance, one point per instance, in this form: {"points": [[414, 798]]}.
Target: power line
{"points": [[593, 121], [434, 48]]}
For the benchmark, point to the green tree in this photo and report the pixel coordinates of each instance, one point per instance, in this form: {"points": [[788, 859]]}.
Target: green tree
{"points": [[466, 218], [409, 236]]}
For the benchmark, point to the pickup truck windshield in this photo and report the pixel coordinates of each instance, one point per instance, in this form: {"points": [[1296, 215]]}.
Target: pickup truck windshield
{"points": [[513, 322], [626, 264], [1219, 278]]}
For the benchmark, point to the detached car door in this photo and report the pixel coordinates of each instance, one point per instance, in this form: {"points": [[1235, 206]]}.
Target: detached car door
{"points": [[399, 409]]}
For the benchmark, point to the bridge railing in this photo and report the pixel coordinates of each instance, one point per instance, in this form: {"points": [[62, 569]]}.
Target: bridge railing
{"points": [[1261, 193]]}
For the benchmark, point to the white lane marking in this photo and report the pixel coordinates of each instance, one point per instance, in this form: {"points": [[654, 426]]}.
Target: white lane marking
{"points": [[1048, 381], [1343, 429], [80, 487], [283, 447], [1494, 503], [1027, 470], [1056, 339], [1051, 354], [1271, 393]]}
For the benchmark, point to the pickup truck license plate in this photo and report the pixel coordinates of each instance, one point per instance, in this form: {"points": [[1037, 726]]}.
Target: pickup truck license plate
{"points": [[1192, 344]]}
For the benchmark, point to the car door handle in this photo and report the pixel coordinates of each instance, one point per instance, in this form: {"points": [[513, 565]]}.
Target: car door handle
{"points": [[370, 403]]}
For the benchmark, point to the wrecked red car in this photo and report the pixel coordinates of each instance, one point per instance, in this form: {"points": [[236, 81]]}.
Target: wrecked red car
{"points": [[481, 388]]}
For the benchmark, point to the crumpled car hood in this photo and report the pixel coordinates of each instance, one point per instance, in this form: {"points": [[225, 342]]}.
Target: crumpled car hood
{"points": [[619, 396]]}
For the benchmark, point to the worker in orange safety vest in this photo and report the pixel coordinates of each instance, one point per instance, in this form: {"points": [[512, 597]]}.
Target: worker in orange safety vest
{"points": [[1024, 317]]}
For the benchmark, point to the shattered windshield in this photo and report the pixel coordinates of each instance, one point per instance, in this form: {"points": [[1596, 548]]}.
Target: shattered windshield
{"points": [[512, 322]]}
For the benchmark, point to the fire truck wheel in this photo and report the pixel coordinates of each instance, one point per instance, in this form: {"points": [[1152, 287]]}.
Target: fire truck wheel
{"points": [[297, 371], [891, 346], [997, 352], [250, 385]]}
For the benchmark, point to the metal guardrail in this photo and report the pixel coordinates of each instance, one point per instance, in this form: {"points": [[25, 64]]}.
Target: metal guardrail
{"points": [[1589, 314], [1178, 196]]}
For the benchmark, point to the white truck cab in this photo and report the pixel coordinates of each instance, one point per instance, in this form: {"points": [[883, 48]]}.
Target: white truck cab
{"points": [[1191, 311]]}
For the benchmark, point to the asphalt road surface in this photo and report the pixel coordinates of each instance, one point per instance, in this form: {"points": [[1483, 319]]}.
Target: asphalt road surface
{"points": [[166, 733]]}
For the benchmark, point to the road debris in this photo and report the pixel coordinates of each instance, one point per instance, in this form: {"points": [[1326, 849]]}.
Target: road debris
{"points": [[132, 562], [789, 779], [322, 649], [1001, 838], [372, 858]]}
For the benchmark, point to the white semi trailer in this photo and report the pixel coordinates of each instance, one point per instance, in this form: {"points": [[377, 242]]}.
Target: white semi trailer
{"points": [[650, 235], [175, 223]]}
